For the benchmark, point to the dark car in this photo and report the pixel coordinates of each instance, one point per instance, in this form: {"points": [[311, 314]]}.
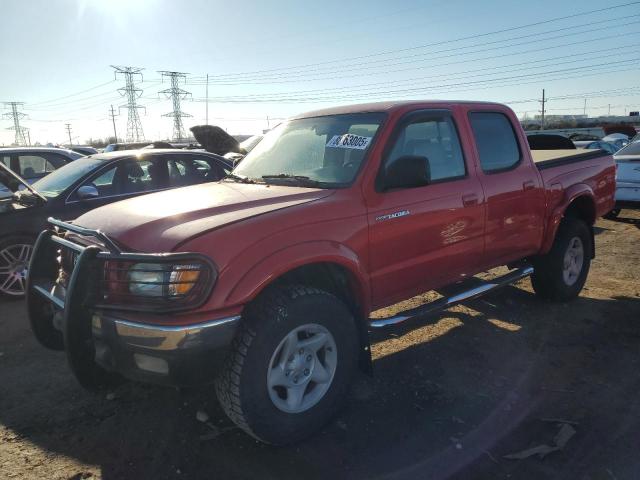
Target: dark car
{"points": [[33, 163], [116, 147], [84, 149], [83, 185]]}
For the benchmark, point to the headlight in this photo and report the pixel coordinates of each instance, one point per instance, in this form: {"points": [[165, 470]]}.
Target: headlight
{"points": [[164, 280]]}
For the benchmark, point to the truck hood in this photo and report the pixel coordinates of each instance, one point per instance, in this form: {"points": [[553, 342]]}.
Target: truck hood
{"points": [[160, 221]]}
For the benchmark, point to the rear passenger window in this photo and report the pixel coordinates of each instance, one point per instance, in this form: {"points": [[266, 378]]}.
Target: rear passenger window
{"points": [[436, 139], [496, 141]]}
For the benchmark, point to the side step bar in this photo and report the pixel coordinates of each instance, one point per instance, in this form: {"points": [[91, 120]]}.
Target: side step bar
{"points": [[446, 302]]}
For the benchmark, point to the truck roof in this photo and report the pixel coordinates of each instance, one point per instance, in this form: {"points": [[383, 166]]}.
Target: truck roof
{"points": [[388, 107]]}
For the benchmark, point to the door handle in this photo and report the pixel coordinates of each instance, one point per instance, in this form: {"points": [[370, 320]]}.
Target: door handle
{"points": [[469, 199], [528, 185]]}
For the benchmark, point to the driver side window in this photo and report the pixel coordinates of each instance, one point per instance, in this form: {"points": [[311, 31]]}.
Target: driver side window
{"points": [[129, 177], [436, 139]]}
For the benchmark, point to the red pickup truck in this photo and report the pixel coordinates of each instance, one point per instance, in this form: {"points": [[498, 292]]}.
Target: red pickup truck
{"points": [[265, 281]]}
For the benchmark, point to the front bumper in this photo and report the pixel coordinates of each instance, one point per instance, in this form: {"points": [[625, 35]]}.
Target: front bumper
{"points": [[149, 351], [628, 195], [173, 355]]}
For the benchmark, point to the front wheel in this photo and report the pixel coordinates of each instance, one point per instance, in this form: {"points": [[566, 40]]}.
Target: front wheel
{"points": [[291, 364], [561, 273]]}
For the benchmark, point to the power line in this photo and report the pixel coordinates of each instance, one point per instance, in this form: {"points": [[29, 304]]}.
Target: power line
{"points": [[298, 97], [134, 126], [15, 116], [176, 94], [444, 42], [448, 76], [73, 94], [364, 67]]}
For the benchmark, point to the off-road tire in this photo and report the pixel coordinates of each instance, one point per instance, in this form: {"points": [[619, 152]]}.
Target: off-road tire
{"points": [[547, 279], [241, 387]]}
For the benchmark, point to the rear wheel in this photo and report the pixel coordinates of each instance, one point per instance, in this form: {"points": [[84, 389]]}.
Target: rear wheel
{"points": [[291, 364], [561, 273], [15, 254]]}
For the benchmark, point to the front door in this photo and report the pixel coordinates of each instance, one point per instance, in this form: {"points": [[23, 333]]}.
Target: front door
{"points": [[430, 235]]}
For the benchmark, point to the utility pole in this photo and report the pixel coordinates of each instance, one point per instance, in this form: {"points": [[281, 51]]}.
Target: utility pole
{"points": [[268, 125], [609, 112], [15, 116], [113, 120], [29, 136], [132, 93], [68, 126], [542, 111], [176, 94], [206, 122], [584, 112]]}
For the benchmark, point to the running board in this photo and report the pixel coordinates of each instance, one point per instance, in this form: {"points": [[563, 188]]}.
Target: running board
{"points": [[446, 302]]}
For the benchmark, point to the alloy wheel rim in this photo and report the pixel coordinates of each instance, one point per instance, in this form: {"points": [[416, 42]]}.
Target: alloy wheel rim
{"points": [[572, 262], [14, 265], [302, 368]]}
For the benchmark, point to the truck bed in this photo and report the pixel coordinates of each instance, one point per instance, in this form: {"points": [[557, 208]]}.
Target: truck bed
{"points": [[553, 158]]}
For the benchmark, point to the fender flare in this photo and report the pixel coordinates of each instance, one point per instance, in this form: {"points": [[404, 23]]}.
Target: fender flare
{"points": [[291, 257], [570, 195]]}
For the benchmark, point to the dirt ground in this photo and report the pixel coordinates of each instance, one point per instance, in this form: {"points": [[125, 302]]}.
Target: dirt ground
{"points": [[451, 396]]}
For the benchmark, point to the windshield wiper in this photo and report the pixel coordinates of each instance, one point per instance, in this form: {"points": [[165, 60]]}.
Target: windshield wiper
{"points": [[299, 179], [239, 178]]}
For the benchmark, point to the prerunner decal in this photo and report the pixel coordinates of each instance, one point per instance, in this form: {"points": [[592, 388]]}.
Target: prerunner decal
{"points": [[349, 140]]}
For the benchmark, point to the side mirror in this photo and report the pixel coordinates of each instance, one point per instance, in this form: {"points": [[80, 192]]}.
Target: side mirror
{"points": [[408, 171], [87, 191]]}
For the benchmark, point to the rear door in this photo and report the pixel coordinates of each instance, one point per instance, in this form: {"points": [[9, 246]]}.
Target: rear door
{"points": [[512, 187], [431, 235]]}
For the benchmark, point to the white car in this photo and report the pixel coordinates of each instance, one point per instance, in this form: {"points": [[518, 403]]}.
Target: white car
{"points": [[627, 178]]}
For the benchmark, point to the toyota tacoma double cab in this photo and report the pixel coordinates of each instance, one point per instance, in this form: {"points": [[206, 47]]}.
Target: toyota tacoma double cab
{"points": [[264, 283]]}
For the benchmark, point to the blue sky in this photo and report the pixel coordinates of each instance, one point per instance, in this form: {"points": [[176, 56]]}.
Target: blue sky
{"points": [[273, 59]]}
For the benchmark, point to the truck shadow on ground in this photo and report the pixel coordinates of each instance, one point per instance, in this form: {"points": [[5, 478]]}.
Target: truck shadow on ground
{"points": [[451, 394], [627, 220]]}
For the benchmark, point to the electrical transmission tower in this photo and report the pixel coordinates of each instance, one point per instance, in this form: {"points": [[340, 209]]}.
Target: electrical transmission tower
{"points": [[176, 94], [134, 126], [15, 116]]}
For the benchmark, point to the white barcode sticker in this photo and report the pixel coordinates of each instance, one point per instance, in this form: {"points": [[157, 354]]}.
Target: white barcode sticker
{"points": [[349, 140]]}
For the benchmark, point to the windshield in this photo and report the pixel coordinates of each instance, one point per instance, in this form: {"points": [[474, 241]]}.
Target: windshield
{"points": [[59, 180], [631, 149], [325, 149]]}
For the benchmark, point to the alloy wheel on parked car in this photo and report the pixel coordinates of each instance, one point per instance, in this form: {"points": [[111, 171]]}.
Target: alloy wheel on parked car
{"points": [[14, 264]]}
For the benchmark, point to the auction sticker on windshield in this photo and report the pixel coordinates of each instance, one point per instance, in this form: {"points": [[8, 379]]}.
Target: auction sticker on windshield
{"points": [[349, 140]]}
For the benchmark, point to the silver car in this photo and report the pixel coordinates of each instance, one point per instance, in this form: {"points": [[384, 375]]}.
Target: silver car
{"points": [[627, 178], [33, 163]]}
